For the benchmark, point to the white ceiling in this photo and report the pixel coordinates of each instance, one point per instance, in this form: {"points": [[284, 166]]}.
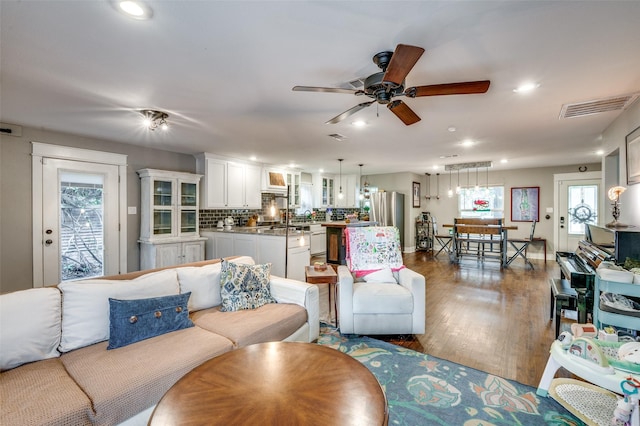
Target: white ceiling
{"points": [[223, 71]]}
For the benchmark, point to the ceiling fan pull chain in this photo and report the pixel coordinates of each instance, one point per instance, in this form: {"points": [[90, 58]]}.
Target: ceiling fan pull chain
{"points": [[378, 110]]}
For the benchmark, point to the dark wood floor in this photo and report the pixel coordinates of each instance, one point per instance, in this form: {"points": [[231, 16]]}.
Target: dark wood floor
{"points": [[487, 318]]}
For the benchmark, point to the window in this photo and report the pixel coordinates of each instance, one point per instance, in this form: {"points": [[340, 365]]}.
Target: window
{"points": [[486, 202]]}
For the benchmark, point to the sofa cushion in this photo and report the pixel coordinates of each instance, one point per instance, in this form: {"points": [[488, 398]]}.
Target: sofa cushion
{"points": [[244, 286], [268, 323], [30, 326], [85, 304], [381, 299], [204, 283], [131, 321], [42, 393], [124, 381]]}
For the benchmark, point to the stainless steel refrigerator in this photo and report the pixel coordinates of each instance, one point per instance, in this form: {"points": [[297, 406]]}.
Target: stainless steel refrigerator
{"points": [[387, 208]]}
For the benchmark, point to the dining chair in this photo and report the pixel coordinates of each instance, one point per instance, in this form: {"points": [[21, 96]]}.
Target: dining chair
{"points": [[520, 245], [445, 240]]}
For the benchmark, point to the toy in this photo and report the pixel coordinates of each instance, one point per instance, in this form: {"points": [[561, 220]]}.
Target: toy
{"points": [[630, 352], [584, 330], [626, 411], [566, 339]]}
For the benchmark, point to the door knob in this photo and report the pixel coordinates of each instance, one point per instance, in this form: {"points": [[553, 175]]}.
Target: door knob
{"points": [[48, 242]]}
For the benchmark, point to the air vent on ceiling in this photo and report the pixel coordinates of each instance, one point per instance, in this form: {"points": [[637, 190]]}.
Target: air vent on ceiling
{"points": [[356, 84], [614, 103], [337, 136]]}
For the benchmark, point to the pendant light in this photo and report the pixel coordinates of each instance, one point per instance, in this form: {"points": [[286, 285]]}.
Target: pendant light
{"points": [[340, 194], [458, 187], [437, 186], [360, 183], [450, 191], [428, 196]]}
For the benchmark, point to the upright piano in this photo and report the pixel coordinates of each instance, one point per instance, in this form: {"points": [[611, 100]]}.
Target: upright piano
{"points": [[600, 244]]}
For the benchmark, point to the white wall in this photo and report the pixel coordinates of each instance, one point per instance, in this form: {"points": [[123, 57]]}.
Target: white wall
{"points": [[613, 139]]}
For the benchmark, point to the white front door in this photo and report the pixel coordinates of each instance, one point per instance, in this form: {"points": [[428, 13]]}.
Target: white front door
{"points": [[77, 214], [577, 203]]}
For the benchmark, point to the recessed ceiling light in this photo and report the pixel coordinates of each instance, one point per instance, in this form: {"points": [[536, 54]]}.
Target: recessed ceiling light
{"points": [[599, 152], [359, 123], [451, 128], [467, 142], [435, 167], [504, 160], [135, 9], [253, 158], [526, 87], [321, 170]]}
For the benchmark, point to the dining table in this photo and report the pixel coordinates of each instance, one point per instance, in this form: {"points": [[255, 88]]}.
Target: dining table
{"points": [[476, 227]]}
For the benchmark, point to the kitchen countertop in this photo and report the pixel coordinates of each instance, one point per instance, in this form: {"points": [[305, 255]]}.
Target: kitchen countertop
{"points": [[343, 224], [260, 230]]}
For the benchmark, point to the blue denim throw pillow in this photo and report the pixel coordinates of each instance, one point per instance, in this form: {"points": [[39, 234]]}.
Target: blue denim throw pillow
{"points": [[131, 321]]}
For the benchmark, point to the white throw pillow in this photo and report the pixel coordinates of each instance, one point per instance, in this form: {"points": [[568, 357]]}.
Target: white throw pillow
{"points": [[29, 326], [383, 276], [85, 304], [204, 284], [245, 260]]}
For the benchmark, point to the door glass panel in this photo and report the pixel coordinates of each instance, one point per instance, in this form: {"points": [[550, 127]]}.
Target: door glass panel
{"points": [[81, 225], [188, 221], [583, 207], [161, 193], [188, 194], [161, 222]]}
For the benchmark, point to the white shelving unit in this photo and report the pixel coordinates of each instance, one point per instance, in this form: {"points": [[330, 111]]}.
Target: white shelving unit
{"points": [[169, 225]]}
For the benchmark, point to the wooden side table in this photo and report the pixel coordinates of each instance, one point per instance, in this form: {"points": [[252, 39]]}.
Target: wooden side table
{"points": [[328, 276], [275, 383]]}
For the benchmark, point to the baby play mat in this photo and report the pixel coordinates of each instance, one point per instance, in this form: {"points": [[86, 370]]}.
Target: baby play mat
{"points": [[591, 404]]}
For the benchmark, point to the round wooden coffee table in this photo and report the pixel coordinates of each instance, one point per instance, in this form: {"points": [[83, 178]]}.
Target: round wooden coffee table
{"points": [[275, 383]]}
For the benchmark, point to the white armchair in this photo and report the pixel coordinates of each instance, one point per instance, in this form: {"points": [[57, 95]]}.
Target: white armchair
{"points": [[377, 308]]}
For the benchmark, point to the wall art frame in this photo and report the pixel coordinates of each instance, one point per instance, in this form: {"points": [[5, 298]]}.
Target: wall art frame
{"points": [[633, 157], [525, 204], [416, 194]]}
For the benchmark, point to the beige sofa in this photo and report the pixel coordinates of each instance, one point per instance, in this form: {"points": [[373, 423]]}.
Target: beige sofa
{"points": [[56, 368]]}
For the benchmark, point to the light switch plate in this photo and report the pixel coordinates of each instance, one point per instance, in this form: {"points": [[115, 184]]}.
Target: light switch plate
{"points": [[132, 210]]}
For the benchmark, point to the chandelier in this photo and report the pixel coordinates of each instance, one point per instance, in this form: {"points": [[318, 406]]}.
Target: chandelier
{"points": [[154, 119]]}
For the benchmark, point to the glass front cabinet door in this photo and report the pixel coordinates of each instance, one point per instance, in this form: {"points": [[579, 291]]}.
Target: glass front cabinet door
{"points": [[169, 204]]}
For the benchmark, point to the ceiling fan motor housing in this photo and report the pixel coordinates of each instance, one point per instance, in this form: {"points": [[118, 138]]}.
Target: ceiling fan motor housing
{"points": [[382, 93]]}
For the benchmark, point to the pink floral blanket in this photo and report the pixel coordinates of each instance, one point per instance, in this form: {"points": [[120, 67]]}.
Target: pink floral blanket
{"points": [[373, 248]]}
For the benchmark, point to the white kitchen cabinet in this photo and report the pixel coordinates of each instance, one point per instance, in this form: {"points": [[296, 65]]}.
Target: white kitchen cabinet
{"points": [[162, 254], [293, 181], [223, 245], [169, 228], [228, 183], [324, 191], [350, 191], [318, 243], [245, 245], [272, 249]]}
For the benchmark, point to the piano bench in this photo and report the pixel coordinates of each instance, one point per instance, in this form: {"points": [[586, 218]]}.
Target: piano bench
{"points": [[562, 297]]}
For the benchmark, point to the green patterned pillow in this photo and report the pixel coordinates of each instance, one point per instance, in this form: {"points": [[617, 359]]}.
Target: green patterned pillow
{"points": [[244, 286]]}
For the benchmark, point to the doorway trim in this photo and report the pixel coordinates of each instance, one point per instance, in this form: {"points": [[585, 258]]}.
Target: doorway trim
{"points": [[556, 198], [41, 151]]}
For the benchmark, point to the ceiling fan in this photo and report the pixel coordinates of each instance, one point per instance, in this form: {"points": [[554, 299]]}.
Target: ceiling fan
{"points": [[384, 86]]}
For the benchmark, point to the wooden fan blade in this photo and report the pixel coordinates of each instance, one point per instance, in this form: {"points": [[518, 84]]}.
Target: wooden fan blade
{"points": [[323, 89], [402, 61], [403, 112], [465, 88], [347, 113]]}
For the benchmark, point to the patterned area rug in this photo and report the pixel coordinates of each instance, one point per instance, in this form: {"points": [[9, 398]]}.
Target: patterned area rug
{"points": [[425, 390]]}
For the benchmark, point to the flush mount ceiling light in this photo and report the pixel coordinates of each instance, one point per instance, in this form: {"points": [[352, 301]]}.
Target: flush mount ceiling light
{"points": [[134, 9], [526, 87], [154, 119]]}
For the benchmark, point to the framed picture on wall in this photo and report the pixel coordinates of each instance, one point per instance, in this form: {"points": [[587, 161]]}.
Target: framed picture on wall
{"points": [[525, 203], [416, 194], [633, 157]]}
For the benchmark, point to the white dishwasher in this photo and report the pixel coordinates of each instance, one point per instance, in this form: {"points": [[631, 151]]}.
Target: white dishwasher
{"points": [[318, 239]]}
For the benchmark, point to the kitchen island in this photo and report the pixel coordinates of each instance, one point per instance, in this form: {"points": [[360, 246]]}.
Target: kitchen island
{"points": [[264, 244], [336, 243]]}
